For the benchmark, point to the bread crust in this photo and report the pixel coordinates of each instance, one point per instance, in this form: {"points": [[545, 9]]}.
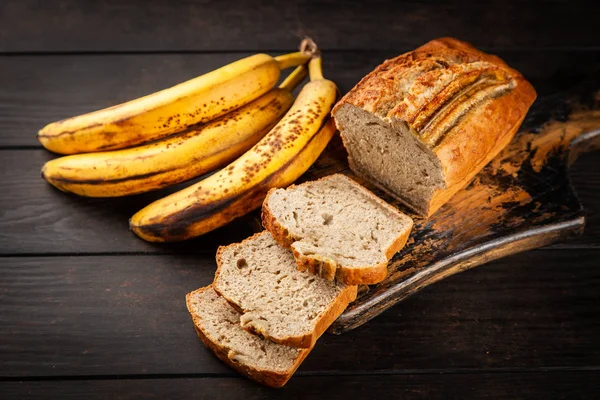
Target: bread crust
{"points": [[470, 137], [327, 267], [307, 340], [273, 379]]}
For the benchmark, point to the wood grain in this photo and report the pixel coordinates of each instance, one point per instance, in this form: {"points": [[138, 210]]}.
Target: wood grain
{"points": [[122, 25], [504, 385], [125, 315], [37, 90], [38, 219], [585, 184]]}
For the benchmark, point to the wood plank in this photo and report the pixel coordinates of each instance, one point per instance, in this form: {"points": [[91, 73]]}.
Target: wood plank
{"points": [[38, 219], [83, 316], [586, 186], [36, 90], [510, 385], [122, 25]]}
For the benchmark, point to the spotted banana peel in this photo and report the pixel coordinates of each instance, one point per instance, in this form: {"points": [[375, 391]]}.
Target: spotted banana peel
{"points": [[172, 110], [177, 158], [280, 158]]}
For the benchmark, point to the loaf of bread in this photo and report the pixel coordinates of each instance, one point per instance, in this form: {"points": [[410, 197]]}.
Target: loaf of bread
{"points": [[336, 228], [218, 326], [423, 124], [277, 301]]}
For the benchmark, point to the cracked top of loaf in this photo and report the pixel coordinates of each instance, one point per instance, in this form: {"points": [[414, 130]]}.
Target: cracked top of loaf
{"points": [[459, 101]]}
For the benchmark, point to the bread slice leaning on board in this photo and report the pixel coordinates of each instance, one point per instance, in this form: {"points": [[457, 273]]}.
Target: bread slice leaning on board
{"points": [[423, 124], [218, 326], [336, 228], [277, 301]]}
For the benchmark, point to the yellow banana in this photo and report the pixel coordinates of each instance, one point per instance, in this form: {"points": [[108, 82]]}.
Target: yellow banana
{"points": [[171, 110], [176, 158], [280, 158]]}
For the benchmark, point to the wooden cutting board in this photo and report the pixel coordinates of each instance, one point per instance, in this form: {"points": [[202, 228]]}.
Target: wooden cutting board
{"points": [[522, 200]]}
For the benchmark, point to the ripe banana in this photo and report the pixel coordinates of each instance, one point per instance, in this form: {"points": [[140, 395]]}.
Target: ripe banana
{"points": [[171, 110], [177, 158], [277, 160]]}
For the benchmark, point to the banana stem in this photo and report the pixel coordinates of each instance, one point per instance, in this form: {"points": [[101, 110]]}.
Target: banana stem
{"points": [[294, 78], [315, 68], [292, 59]]}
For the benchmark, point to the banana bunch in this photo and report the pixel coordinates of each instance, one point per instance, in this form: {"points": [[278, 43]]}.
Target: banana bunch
{"points": [[232, 117], [193, 152], [284, 154]]}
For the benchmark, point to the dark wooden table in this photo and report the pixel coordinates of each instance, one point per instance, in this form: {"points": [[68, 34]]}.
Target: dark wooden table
{"points": [[89, 310]]}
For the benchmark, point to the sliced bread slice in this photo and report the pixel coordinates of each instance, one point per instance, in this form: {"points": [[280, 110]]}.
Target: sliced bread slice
{"points": [[277, 301], [218, 326], [336, 228]]}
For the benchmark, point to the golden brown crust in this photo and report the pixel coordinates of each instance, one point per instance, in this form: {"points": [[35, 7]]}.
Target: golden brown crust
{"points": [[325, 266], [308, 340], [334, 311], [462, 169], [265, 377], [270, 223], [464, 104]]}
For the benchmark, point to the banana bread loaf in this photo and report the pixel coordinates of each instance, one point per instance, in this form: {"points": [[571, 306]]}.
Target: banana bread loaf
{"points": [[423, 124]]}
